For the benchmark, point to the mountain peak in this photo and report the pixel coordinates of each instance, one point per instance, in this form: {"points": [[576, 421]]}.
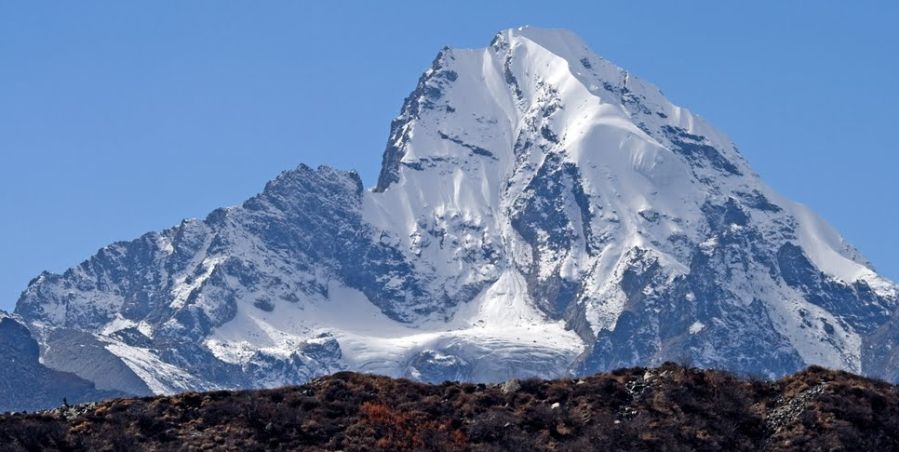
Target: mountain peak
{"points": [[525, 70], [547, 37]]}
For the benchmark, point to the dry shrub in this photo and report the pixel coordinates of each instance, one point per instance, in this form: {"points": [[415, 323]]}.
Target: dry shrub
{"points": [[410, 430]]}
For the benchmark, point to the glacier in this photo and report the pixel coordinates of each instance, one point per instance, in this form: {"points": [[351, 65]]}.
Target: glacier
{"points": [[539, 212]]}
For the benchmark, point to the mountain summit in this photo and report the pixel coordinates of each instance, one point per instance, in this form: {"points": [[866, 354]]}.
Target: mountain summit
{"points": [[539, 212]]}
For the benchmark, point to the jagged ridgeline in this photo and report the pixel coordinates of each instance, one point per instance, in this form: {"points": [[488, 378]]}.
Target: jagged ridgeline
{"points": [[539, 212]]}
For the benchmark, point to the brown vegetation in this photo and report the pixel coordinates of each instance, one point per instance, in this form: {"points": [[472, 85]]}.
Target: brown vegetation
{"points": [[669, 408]]}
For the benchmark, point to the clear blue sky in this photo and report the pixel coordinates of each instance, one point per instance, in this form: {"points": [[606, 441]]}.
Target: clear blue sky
{"points": [[116, 120]]}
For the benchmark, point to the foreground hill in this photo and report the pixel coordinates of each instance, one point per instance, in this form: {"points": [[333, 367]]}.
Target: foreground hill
{"points": [[668, 408]]}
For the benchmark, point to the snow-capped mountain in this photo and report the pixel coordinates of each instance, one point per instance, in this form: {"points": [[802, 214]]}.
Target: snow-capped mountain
{"points": [[539, 212]]}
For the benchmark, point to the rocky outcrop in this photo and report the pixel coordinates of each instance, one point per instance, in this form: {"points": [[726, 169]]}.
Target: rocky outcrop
{"points": [[26, 384]]}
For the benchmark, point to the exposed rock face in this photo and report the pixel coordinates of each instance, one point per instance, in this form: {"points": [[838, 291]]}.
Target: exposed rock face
{"points": [[539, 212], [26, 384]]}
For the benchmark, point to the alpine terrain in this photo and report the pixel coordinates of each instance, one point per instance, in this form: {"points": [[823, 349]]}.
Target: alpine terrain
{"points": [[539, 212]]}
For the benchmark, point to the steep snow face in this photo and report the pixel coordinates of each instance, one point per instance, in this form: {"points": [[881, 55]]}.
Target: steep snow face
{"points": [[540, 211], [537, 155]]}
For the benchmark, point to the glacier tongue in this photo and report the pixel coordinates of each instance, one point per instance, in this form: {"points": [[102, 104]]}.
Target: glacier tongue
{"points": [[539, 212]]}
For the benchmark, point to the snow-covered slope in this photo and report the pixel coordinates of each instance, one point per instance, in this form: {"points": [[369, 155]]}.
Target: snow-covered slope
{"points": [[540, 211]]}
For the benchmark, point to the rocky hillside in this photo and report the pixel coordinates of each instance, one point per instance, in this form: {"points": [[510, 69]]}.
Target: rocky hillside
{"points": [[667, 408], [27, 384]]}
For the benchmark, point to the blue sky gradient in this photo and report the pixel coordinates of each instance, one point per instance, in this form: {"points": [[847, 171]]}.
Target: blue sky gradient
{"points": [[118, 118]]}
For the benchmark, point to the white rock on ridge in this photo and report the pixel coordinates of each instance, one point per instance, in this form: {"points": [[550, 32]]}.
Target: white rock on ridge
{"points": [[539, 212]]}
